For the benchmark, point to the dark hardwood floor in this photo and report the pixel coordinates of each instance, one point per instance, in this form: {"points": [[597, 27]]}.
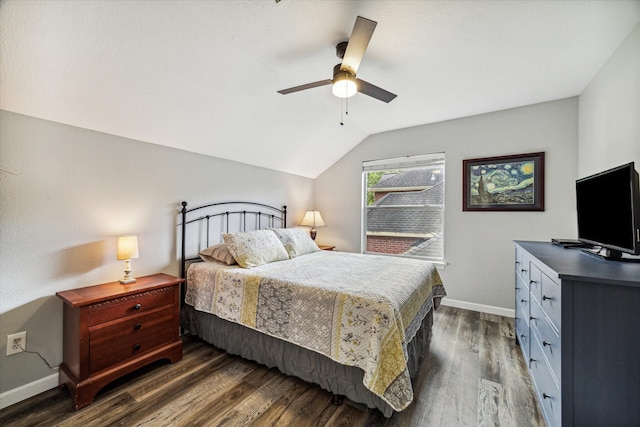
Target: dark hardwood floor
{"points": [[474, 376]]}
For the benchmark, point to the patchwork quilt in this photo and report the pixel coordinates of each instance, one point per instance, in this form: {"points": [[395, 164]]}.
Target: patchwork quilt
{"points": [[359, 310]]}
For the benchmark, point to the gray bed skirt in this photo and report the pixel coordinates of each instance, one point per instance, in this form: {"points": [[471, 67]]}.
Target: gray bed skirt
{"points": [[293, 360]]}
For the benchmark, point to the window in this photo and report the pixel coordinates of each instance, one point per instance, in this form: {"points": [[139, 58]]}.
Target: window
{"points": [[403, 206]]}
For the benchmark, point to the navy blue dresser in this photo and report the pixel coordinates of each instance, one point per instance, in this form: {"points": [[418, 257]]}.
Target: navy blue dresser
{"points": [[578, 326]]}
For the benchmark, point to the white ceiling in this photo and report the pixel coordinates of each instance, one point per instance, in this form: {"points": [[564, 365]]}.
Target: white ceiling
{"points": [[202, 75]]}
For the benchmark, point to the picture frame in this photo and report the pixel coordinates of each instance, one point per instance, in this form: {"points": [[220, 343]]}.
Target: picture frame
{"points": [[504, 183]]}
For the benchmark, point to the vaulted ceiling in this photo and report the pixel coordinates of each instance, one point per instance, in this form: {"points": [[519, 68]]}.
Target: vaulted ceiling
{"points": [[202, 75]]}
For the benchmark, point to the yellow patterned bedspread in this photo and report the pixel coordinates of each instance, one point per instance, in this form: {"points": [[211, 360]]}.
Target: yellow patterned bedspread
{"points": [[359, 310]]}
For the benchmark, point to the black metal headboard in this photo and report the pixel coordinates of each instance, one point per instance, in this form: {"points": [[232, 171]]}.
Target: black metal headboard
{"points": [[206, 223]]}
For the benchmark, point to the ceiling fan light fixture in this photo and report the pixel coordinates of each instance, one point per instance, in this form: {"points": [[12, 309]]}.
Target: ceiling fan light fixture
{"points": [[344, 82], [344, 85]]}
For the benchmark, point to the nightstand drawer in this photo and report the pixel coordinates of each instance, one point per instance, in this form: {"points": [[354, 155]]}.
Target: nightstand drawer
{"points": [[133, 304], [112, 344]]}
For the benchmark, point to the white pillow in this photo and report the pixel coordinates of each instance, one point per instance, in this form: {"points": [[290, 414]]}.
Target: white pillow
{"points": [[296, 241], [219, 252], [254, 248]]}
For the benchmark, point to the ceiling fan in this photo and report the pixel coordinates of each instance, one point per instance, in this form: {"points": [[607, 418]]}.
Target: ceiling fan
{"points": [[345, 83]]}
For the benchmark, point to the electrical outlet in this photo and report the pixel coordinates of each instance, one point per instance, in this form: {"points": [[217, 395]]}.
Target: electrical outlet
{"points": [[16, 343]]}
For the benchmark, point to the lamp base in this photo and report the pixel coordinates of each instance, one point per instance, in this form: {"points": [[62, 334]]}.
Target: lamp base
{"points": [[128, 278], [313, 233]]}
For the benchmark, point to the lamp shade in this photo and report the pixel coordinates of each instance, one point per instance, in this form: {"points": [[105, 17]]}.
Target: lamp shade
{"points": [[312, 219], [128, 247]]}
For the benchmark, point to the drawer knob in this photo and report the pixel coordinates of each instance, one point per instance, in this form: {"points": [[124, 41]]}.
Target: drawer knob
{"points": [[532, 318], [137, 307], [523, 300], [532, 359], [137, 326], [531, 282], [523, 270], [136, 347], [544, 297], [544, 344], [545, 396]]}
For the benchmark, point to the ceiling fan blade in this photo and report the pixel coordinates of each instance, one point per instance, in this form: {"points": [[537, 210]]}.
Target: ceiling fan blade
{"points": [[360, 37], [305, 86], [375, 91]]}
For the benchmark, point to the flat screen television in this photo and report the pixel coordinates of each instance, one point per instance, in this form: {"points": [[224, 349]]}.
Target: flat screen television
{"points": [[608, 205]]}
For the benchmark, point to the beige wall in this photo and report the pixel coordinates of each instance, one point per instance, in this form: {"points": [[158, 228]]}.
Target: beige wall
{"points": [[65, 195], [478, 245]]}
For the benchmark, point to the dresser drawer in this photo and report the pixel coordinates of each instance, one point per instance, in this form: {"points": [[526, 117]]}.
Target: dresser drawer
{"points": [[522, 332], [119, 341], [522, 266], [550, 300], [547, 336], [535, 281], [522, 299], [126, 306], [548, 391]]}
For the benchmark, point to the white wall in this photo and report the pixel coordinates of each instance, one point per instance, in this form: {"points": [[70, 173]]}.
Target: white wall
{"points": [[609, 118], [66, 194], [478, 245]]}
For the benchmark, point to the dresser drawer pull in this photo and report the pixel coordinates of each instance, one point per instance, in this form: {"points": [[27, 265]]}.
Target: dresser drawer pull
{"points": [[137, 307], [531, 282], [545, 396], [531, 359], [524, 270], [523, 336], [136, 347], [544, 344], [523, 300], [517, 262], [137, 326], [532, 318], [544, 298]]}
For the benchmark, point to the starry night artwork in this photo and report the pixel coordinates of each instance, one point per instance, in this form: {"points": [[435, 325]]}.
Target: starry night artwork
{"points": [[506, 183]]}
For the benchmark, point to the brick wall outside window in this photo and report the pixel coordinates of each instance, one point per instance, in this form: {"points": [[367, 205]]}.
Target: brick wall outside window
{"points": [[389, 245]]}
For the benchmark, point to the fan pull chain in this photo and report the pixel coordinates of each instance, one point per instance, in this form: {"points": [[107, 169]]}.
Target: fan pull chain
{"points": [[346, 99], [344, 112], [347, 107]]}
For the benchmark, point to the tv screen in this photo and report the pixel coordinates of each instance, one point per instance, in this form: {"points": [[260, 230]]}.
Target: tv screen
{"points": [[608, 207]]}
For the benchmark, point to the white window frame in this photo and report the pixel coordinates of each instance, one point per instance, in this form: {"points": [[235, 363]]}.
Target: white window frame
{"points": [[399, 163]]}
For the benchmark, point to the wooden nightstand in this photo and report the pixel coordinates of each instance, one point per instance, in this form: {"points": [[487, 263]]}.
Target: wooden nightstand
{"points": [[326, 247], [113, 329]]}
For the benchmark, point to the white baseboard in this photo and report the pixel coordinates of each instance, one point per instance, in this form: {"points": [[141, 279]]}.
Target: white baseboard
{"points": [[26, 391], [507, 312]]}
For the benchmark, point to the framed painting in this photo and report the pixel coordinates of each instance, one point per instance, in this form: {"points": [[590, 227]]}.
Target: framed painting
{"points": [[505, 183]]}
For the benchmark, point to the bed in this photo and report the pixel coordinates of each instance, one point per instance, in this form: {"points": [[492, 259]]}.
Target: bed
{"points": [[357, 325]]}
